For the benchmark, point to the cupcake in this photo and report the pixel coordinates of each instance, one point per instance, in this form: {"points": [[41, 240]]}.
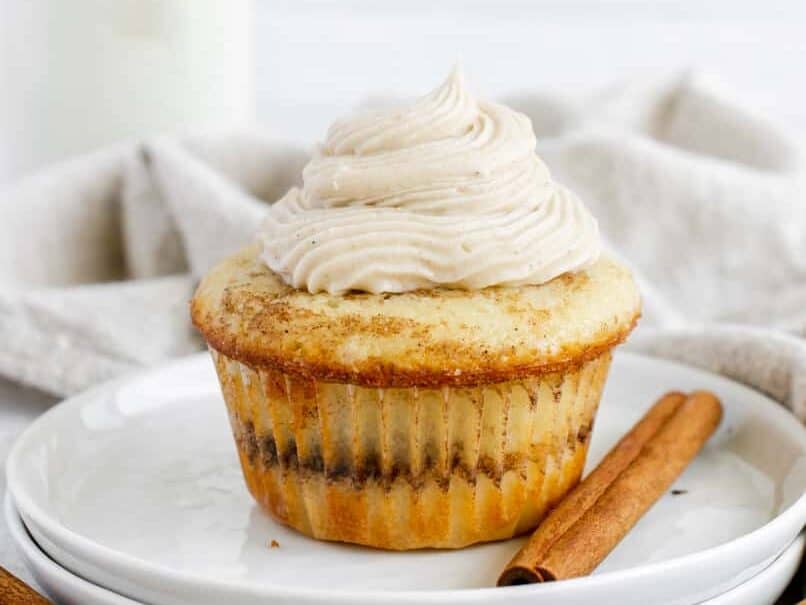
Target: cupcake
{"points": [[413, 350]]}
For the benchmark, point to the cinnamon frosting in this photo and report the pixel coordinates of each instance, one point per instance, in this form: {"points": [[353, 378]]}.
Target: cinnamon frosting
{"points": [[447, 192]]}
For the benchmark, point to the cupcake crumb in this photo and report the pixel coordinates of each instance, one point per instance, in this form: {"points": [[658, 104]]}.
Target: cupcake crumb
{"points": [[274, 544]]}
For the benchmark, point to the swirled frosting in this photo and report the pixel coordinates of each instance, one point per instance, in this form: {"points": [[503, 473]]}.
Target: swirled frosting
{"points": [[447, 192]]}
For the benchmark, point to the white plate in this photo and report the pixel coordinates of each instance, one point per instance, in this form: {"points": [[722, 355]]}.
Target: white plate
{"points": [[135, 486], [766, 586], [68, 589], [61, 585]]}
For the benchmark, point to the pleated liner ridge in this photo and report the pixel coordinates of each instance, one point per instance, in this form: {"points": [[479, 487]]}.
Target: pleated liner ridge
{"points": [[405, 468]]}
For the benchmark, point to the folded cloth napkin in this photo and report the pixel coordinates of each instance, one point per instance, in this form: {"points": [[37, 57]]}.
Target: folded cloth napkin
{"points": [[704, 199]]}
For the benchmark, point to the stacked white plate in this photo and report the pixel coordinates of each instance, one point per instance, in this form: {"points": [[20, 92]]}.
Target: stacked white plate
{"points": [[131, 492]]}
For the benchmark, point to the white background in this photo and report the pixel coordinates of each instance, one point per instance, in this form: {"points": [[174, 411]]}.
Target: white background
{"points": [[316, 59]]}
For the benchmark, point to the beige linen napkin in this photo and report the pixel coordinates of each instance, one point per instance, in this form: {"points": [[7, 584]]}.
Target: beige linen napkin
{"points": [[705, 200], [99, 256]]}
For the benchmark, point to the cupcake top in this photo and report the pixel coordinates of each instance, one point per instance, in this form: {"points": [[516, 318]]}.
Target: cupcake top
{"points": [[427, 247], [434, 337], [445, 193]]}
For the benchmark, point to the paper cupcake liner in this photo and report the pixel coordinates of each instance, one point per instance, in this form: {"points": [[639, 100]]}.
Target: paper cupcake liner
{"points": [[407, 468]]}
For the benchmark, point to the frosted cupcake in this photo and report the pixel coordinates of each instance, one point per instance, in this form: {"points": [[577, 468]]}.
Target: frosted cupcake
{"points": [[413, 351]]}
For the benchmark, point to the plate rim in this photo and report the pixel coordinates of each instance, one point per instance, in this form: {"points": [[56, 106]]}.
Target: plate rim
{"points": [[25, 543], [31, 550], [29, 509]]}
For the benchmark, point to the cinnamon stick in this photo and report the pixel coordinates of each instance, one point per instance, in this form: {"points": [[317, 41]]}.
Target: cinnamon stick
{"points": [[14, 591], [599, 512]]}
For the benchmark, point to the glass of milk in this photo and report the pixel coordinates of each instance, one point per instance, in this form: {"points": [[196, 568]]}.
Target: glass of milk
{"points": [[81, 74]]}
